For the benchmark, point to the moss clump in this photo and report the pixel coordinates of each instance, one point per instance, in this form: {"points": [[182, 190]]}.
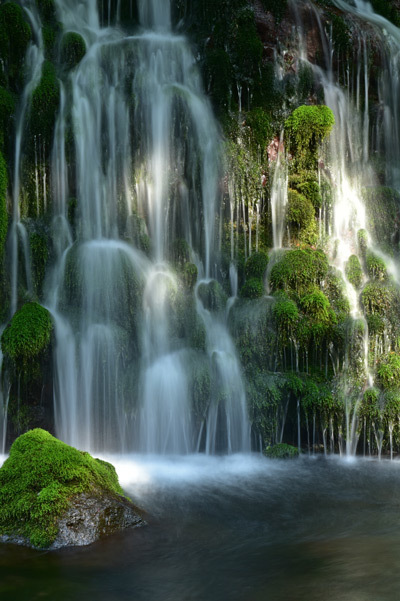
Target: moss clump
{"points": [[15, 34], [189, 275], [252, 288], [212, 296], [7, 107], [305, 129], [306, 183], [3, 205], [389, 370], [28, 335], [299, 271], [282, 451], [376, 298], [45, 102], [73, 49], [354, 272], [256, 265], [375, 266], [39, 479], [301, 217], [362, 239]]}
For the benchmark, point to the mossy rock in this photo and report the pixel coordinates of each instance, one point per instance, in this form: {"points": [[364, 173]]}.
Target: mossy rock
{"points": [[362, 240], [299, 271], [45, 103], [376, 298], [49, 491], [28, 334], [212, 296], [301, 216], [73, 49], [354, 272], [389, 370], [15, 34], [252, 288], [256, 265], [189, 275], [7, 108], [282, 451], [306, 184], [376, 266], [305, 129]]}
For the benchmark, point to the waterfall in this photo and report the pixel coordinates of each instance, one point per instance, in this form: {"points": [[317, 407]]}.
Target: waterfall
{"points": [[147, 175]]}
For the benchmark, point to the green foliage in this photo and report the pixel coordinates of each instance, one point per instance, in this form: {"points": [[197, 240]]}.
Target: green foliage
{"points": [[282, 451], [256, 265], [246, 45], [316, 305], [376, 298], [336, 292], [45, 102], [15, 34], [260, 126], [7, 107], [212, 296], [47, 9], [362, 239], [299, 271], [301, 214], [3, 206], [286, 313], [354, 272], [189, 275], [252, 288], [28, 334], [73, 49], [306, 183], [369, 408], [376, 267], [305, 129], [389, 370], [376, 324], [40, 478], [341, 34], [180, 251]]}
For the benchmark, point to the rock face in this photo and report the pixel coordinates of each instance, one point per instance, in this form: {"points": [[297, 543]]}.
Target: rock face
{"points": [[52, 495], [91, 518]]}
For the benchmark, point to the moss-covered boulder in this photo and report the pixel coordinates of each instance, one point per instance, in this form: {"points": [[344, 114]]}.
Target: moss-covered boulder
{"points": [[73, 49], [354, 272], [52, 495], [28, 334], [282, 451]]}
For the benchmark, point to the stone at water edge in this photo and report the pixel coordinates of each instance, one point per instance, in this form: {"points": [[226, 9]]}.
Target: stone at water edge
{"points": [[52, 495]]}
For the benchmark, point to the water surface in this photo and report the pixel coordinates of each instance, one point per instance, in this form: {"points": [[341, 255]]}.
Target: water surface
{"points": [[238, 528]]}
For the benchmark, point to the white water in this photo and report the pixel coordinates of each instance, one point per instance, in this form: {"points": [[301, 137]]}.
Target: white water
{"points": [[147, 152]]}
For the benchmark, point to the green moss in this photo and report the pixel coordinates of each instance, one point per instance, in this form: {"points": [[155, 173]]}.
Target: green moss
{"points": [[256, 265], [387, 10], [299, 271], [252, 288], [15, 34], [362, 239], [305, 129], [376, 324], [369, 408], [38, 480], [260, 125], [212, 296], [246, 45], [389, 370], [316, 305], [306, 183], [45, 103], [354, 272], [7, 108], [3, 206], [376, 298], [376, 266], [73, 49], [28, 334], [282, 451], [286, 314], [189, 275], [301, 218], [47, 9]]}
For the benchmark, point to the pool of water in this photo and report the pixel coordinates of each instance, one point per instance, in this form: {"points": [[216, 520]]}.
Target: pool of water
{"points": [[236, 528]]}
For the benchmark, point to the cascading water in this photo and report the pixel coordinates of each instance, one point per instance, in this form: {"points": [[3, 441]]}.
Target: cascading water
{"points": [[121, 378]]}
